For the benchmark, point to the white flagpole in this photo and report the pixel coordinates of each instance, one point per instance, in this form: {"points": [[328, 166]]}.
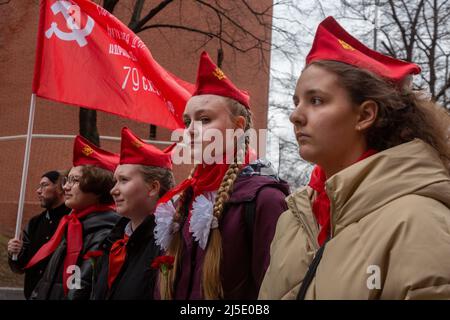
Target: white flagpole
{"points": [[26, 161]]}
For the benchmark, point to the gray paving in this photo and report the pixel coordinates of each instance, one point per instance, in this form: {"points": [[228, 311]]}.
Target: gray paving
{"points": [[11, 293]]}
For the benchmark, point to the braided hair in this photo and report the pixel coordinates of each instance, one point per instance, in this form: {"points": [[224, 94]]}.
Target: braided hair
{"points": [[211, 282]]}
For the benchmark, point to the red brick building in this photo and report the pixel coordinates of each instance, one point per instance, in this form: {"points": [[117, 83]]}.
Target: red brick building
{"points": [[178, 51]]}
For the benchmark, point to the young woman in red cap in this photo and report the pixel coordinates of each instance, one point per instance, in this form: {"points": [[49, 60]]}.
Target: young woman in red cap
{"points": [[86, 191], [374, 222], [143, 176], [225, 217]]}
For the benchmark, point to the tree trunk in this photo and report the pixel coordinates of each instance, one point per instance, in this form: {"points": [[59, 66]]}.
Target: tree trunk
{"points": [[110, 5], [152, 134], [88, 125], [219, 57]]}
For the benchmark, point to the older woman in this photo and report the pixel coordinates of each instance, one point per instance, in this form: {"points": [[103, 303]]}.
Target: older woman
{"points": [[374, 222], [87, 192]]}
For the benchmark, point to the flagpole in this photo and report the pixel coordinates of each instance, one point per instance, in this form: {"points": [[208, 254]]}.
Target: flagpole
{"points": [[26, 161]]}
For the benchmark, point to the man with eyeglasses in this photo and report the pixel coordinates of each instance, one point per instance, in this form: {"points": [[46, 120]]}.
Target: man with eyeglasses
{"points": [[39, 229]]}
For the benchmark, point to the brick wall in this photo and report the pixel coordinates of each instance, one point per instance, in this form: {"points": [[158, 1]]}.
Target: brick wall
{"points": [[175, 50]]}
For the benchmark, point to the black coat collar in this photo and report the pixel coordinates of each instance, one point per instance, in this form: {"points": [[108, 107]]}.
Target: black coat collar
{"points": [[141, 235]]}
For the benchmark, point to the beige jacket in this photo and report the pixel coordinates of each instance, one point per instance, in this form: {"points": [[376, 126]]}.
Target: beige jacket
{"points": [[390, 227]]}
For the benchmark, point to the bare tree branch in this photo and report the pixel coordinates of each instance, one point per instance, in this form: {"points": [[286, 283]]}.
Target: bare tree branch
{"points": [[137, 11], [419, 31], [138, 25], [110, 5]]}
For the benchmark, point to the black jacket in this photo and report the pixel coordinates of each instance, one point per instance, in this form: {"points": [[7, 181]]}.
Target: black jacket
{"points": [[136, 279], [96, 226], [38, 231]]}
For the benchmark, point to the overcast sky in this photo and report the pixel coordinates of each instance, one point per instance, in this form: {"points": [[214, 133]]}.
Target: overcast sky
{"points": [[304, 25]]}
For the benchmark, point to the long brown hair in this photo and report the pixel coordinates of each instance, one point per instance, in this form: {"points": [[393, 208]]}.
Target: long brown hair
{"points": [[403, 114], [211, 281]]}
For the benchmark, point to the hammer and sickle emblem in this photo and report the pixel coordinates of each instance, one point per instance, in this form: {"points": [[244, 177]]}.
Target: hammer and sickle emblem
{"points": [[72, 15]]}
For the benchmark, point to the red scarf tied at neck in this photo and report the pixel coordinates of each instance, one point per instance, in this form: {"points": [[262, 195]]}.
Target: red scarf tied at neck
{"points": [[117, 257], [321, 205], [74, 238], [206, 177]]}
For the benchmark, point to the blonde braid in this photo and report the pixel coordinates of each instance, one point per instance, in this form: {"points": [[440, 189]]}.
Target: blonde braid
{"points": [[211, 281], [176, 244]]}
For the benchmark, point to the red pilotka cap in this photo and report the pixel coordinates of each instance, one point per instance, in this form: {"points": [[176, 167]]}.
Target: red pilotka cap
{"points": [[332, 42], [212, 80], [86, 153], [135, 151]]}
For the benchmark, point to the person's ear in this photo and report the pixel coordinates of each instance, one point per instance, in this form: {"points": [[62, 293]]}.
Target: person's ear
{"points": [[154, 188], [240, 122], [60, 189], [367, 115]]}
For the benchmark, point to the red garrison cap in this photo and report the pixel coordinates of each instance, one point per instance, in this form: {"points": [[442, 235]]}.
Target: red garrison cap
{"points": [[135, 151], [86, 153], [332, 42], [212, 80]]}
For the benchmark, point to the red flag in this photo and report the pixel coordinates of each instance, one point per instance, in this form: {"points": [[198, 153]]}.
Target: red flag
{"points": [[87, 57]]}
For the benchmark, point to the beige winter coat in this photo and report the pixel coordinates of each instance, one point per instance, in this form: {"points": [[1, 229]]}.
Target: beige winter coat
{"points": [[390, 224]]}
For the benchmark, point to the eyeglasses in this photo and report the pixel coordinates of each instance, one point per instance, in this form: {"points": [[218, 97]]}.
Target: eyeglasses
{"points": [[70, 181], [43, 186]]}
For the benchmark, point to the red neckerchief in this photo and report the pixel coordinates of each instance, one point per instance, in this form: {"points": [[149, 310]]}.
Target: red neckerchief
{"points": [[206, 177], [117, 257], [74, 238], [321, 205]]}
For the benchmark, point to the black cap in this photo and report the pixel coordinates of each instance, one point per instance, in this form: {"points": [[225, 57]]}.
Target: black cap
{"points": [[52, 176]]}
